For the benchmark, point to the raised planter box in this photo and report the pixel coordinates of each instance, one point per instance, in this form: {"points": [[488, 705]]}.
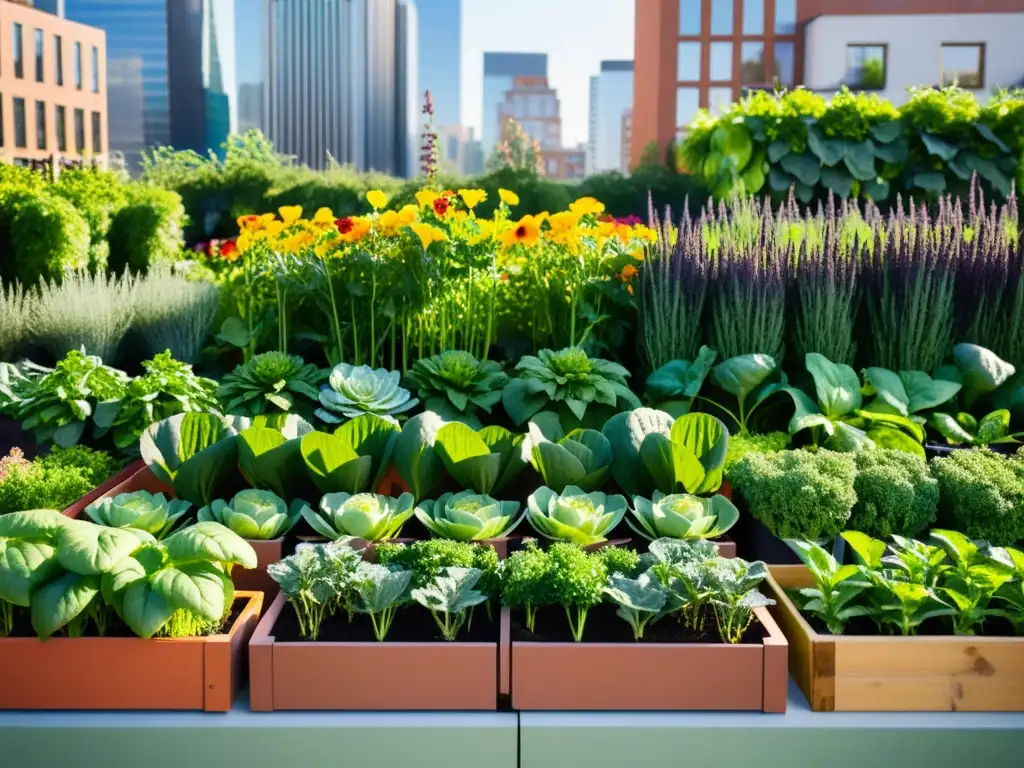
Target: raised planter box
{"points": [[75, 509], [370, 675], [201, 673], [887, 673], [653, 676]]}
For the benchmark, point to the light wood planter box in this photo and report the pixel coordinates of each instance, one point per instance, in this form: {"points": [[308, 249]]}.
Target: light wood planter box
{"points": [[893, 673], [369, 675], [660, 676], [199, 673]]}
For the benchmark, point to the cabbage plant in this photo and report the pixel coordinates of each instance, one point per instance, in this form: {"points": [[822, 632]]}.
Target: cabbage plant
{"points": [[354, 458], [468, 516], [483, 462], [682, 516], [253, 514], [574, 515], [363, 515], [150, 512], [582, 458], [352, 391]]}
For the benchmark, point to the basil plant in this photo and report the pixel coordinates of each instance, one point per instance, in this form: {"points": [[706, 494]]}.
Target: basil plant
{"points": [[574, 515], [468, 516], [366, 516]]}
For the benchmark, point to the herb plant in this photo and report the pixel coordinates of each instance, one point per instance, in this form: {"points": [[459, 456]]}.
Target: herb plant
{"points": [[981, 494], [578, 580], [379, 592], [54, 480]]}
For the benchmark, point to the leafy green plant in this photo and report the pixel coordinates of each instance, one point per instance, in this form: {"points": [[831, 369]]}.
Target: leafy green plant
{"points": [[45, 236], [271, 459], [427, 559], [147, 230], [253, 514], [571, 384], [52, 481], [741, 445], [455, 385], [577, 580], [468, 516], [174, 312], [582, 458], [484, 462], [640, 600], [352, 391], [354, 458], [317, 580], [981, 373], [575, 516], [153, 513], [747, 377], [674, 386], [272, 382], [976, 574], [895, 494], [525, 582], [836, 587], [1011, 594], [653, 451], [981, 494], [416, 457], [379, 593], [451, 598], [363, 515], [735, 595], [682, 516]]}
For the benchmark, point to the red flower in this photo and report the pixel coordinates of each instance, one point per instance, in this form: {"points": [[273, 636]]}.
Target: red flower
{"points": [[228, 249], [441, 206], [344, 225]]}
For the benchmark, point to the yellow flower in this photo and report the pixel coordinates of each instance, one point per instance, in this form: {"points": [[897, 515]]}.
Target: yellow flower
{"points": [[352, 229], [525, 232], [586, 205], [426, 197], [265, 219], [323, 248], [427, 233], [297, 242], [389, 223], [408, 214], [273, 228], [290, 213], [472, 197], [507, 197], [248, 223], [243, 242], [324, 216], [563, 221], [640, 232], [377, 199]]}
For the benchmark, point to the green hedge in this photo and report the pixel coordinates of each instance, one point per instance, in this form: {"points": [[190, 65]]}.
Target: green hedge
{"points": [[148, 230], [859, 144], [41, 236], [97, 195]]}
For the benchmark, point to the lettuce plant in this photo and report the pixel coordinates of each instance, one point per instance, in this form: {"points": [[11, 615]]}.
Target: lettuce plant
{"points": [[379, 592], [352, 391], [682, 516], [153, 513], [581, 390], [450, 599], [653, 452], [354, 458], [468, 516], [575, 516], [456, 385], [272, 382], [253, 514], [364, 515], [675, 385], [582, 458], [270, 459], [484, 462]]}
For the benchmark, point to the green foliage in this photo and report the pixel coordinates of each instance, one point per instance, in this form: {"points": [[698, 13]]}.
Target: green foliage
{"points": [[14, 319], [254, 514], [426, 560], [835, 588], [364, 515], [982, 494], [469, 516], [54, 480], [455, 384], [174, 312], [575, 516], [581, 458], [147, 231], [681, 516], [578, 580], [354, 458], [97, 195], [483, 462], [41, 236], [379, 592], [450, 598], [526, 582], [352, 391], [318, 580], [153, 513], [896, 494], [272, 382], [675, 385], [797, 494], [741, 445]]}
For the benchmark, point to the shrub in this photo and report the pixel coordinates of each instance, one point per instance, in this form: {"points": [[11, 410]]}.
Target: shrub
{"points": [[981, 494], [41, 236], [173, 312], [53, 481], [797, 494], [148, 230], [97, 195], [741, 445], [896, 494]]}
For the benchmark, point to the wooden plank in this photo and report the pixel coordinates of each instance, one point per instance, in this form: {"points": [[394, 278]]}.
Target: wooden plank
{"points": [[803, 666]]}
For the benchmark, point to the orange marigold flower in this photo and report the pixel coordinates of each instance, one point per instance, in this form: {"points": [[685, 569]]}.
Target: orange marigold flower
{"points": [[525, 232], [628, 272], [248, 222]]}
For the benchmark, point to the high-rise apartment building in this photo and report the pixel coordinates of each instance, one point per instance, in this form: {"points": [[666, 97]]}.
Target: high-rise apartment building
{"points": [[407, 90], [53, 86], [500, 69], [170, 70], [610, 97], [440, 57]]}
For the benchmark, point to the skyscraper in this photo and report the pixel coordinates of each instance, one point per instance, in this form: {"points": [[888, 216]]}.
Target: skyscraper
{"points": [[407, 86], [614, 95], [170, 71], [592, 125], [250, 50], [440, 57], [500, 69]]}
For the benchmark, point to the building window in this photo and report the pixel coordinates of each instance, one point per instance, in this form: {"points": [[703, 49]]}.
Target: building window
{"points": [[16, 49], [782, 71], [58, 58], [963, 64], [687, 104], [719, 99], [752, 65], [721, 17], [785, 17], [78, 66], [39, 55], [753, 17], [60, 128], [95, 69], [20, 137], [688, 66], [865, 67], [40, 125], [97, 134], [79, 131], [689, 17], [721, 61]]}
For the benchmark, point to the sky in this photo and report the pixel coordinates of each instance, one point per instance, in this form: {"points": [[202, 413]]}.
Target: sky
{"points": [[576, 34]]}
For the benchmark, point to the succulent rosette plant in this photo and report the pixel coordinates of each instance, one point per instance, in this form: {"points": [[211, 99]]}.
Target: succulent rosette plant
{"points": [[255, 515], [455, 384], [150, 512], [272, 382], [682, 516], [468, 516], [352, 391], [367, 516], [574, 515]]}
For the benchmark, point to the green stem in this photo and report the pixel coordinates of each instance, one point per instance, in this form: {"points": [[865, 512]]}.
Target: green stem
{"points": [[373, 319], [334, 313], [355, 336]]}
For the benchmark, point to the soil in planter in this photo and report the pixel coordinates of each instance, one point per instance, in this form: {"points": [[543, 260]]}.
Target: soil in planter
{"points": [[413, 624], [603, 626], [115, 627]]}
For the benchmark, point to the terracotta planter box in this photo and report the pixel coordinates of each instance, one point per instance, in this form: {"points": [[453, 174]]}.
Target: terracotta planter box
{"points": [[74, 510], [888, 673], [661, 676], [369, 676], [201, 673]]}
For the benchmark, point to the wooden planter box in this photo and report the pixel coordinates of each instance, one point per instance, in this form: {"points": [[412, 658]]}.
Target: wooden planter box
{"points": [[369, 676], [893, 673], [660, 676], [202, 673], [74, 510]]}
